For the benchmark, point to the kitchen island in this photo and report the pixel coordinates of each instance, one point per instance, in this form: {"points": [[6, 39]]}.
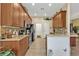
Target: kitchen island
{"points": [[58, 45], [18, 44]]}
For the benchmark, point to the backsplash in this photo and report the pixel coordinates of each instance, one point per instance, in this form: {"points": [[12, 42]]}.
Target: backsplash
{"points": [[60, 31], [8, 32]]}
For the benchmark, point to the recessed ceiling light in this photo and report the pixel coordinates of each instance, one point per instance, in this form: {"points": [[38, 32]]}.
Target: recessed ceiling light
{"points": [[33, 4], [50, 4]]}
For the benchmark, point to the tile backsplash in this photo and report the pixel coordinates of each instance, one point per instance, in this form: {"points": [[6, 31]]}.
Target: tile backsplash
{"points": [[8, 31]]}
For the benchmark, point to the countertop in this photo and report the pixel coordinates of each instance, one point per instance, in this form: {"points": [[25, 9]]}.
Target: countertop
{"points": [[17, 38], [73, 35], [58, 35]]}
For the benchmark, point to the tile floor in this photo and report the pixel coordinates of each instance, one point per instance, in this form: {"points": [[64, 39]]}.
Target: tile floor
{"points": [[38, 48]]}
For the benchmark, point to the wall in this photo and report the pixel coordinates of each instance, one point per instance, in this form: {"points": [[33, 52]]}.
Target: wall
{"points": [[74, 14], [75, 22], [74, 10]]}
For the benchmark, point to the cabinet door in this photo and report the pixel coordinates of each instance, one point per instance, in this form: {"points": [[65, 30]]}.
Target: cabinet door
{"points": [[73, 41], [24, 44], [60, 21], [6, 12], [0, 14], [55, 21], [15, 15], [21, 17], [11, 15], [64, 18]]}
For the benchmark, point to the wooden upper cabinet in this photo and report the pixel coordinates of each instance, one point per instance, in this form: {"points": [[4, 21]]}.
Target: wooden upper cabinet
{"points": [[59, 20], [55, 22], [12, 14], [62, 19], [0, 14], [21, 17], [16, 15], [6, 14]]}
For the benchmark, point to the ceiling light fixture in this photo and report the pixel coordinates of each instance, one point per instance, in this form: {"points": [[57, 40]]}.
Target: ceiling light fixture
{"points": [[50, 4], [33, 4]]}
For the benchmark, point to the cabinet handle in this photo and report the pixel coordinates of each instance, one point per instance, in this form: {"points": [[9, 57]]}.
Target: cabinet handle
{"points": [[65, 49]]}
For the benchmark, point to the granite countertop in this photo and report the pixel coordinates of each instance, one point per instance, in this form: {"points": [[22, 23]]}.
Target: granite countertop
{"points": [[17, 38]]}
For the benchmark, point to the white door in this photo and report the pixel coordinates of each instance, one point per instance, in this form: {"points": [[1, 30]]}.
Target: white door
{"points": [[58, 46], [38, 29]]}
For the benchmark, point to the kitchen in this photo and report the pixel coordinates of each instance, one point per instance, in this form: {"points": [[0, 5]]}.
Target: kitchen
{"points": [[23, 24]]}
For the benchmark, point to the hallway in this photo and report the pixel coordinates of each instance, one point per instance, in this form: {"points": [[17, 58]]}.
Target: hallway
{"points": [[38, 48]]}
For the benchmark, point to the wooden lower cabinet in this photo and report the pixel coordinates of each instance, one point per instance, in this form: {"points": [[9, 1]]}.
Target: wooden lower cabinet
{"points": [[19, 47], [72, 41]]}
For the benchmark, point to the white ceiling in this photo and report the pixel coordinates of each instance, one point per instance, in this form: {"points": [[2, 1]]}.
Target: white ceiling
{"points": [[74, 10], [48, 11]]}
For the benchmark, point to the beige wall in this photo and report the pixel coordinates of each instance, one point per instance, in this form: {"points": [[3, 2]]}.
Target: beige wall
{"points": [[75, 22]]}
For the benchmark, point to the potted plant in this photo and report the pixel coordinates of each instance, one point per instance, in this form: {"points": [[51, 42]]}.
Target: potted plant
{"points": [[47, 18]]}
